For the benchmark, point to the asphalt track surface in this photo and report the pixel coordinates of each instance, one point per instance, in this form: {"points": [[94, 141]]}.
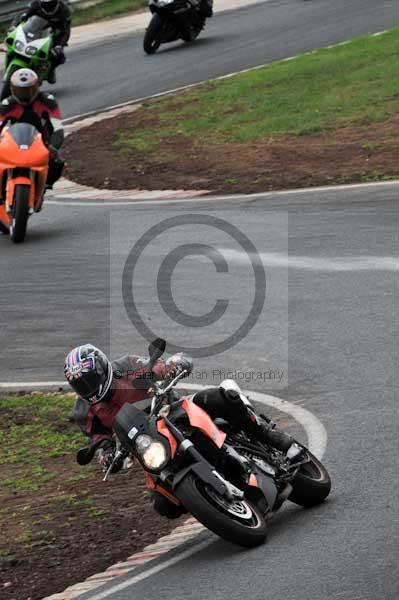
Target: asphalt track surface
{"points": [[334, 322], [343, 331]]}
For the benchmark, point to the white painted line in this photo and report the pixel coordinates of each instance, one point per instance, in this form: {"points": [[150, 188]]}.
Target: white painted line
{"points": [[233, 197], [34, 386], [318, 263], [153, 570]]}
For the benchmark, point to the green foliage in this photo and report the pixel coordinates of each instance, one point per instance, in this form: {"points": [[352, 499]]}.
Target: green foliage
{"points": [[36, 429], [105, 9], [317, 92], [37, 463]]}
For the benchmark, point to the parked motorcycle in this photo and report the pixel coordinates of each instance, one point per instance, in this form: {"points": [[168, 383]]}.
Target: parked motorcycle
{"points": [[24, 161], [173, 20], [180, 450], [28, 45]]}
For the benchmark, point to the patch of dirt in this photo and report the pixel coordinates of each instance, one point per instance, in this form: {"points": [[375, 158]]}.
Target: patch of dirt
{"points": [[71, 528], [363, 152]]}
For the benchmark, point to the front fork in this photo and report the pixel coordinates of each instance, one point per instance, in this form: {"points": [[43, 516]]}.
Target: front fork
{"points": [[205, 471]]}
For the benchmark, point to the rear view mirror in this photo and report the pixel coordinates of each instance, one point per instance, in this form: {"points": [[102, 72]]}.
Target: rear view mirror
{"points": [[156, 349]]}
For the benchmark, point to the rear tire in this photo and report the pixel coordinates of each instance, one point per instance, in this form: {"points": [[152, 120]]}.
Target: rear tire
{"points": [[153, 35], [311, 484], [20, 213], [192, 34], [206, 506]]}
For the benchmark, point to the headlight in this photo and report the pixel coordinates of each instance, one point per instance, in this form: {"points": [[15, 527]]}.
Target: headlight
{"points": [[19, 46], [152, 453], [30, 50], [165, 2]]}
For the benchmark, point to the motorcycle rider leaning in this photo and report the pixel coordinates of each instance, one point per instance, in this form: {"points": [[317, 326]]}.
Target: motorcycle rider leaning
{"points": [[28, 105], [103, 387], [58, 14]]}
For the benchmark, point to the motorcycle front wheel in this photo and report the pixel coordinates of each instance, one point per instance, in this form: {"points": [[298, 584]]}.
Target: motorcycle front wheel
{"points": [[239, 521], [153, 35], [312, 484], [20, 213]]}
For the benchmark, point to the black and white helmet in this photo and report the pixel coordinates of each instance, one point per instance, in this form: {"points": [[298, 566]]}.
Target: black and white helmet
{"points": [[89, 372], [49, 7]]}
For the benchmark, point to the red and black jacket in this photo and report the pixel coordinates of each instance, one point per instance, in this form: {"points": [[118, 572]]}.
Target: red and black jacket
{"points": [[44, 114], [131, 384]]}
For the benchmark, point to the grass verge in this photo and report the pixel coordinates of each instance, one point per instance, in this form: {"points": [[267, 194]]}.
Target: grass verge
{"points": [[315, 93], [59, 522], [36, 465], [105, 10], [329, 116]]}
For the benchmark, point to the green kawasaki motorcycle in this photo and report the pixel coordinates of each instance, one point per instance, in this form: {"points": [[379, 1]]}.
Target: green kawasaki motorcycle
{"points": [[28, 45]]}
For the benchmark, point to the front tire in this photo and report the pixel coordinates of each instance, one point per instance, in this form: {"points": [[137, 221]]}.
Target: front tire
{"points": [[153, 35], [20, 213], [240, 522], [311, 484]]}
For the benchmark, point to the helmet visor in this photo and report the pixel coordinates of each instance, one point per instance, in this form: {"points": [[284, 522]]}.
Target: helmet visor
{"points": [[49, 6], [87, 386], [24, 95]]}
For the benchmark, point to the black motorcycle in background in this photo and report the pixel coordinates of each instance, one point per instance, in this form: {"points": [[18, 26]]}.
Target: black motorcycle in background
{"points": [[173, 20]]}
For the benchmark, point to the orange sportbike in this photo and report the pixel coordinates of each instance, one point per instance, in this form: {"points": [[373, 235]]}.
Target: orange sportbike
{"points": [[227, 481], [24, 163]]}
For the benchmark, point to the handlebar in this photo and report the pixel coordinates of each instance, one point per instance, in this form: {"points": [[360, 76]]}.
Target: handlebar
{"points": [[172, 383], [159, 391]]}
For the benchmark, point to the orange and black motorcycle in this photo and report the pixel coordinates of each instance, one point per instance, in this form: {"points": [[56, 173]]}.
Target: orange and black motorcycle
{"points": [[183, 454], [24, 162]]}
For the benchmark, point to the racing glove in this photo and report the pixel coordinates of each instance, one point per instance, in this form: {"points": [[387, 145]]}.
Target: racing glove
{"points": [[57, 51], [178, 363], [106, 457]]}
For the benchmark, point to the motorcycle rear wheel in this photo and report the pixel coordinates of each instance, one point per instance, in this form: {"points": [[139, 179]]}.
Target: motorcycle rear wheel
{"points": [[20, 213], [311, 484], [193, 33], [239, 522], [153, 35]]}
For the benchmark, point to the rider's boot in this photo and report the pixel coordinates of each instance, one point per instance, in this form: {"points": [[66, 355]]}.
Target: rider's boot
{"points": [[262, 429], [52, 78], [266, 432]]}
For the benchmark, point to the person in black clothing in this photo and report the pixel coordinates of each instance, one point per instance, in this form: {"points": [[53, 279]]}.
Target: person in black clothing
{"points": [[58, 14]]}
